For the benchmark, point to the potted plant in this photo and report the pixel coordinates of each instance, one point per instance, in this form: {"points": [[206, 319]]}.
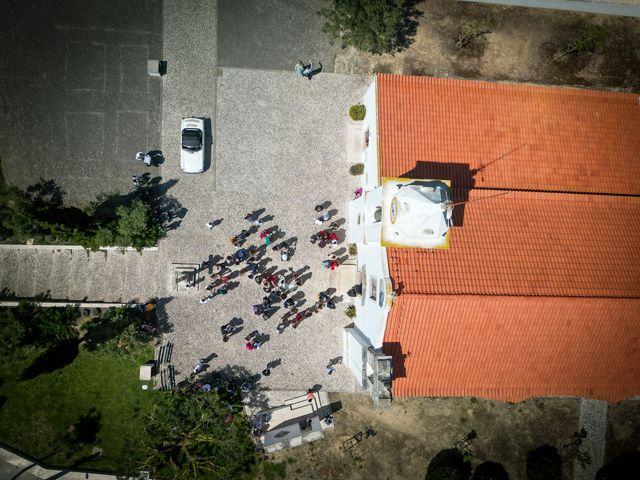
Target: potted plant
{"points": [[350, 311], [357, 112], [356, 169]]}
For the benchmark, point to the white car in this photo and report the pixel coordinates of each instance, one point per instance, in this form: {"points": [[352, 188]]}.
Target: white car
{"points": [[192, 145]]}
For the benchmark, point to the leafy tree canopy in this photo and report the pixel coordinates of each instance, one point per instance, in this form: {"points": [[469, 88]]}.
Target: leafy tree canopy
{"points": [[29, 323], [376, 26], [190, 435]]}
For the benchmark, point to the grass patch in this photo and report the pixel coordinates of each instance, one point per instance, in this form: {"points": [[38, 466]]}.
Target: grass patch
{"points": [[274, 470], [38, 412]]}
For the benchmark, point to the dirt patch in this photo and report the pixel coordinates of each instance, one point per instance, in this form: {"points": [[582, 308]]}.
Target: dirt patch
{"points": [[623, 429], [523, 46], [403, 440]]}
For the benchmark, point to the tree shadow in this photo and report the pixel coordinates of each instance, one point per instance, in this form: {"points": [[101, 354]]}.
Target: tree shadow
{"points": [[229, 380], [7, 294], [448, 463], [162, 317], [624, 466], [56, 357], [409, 26], [46, 194], [85, 430], [490, 471], [544, 463]]}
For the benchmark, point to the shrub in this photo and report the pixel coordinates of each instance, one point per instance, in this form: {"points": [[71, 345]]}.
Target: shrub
{"points": [[353, 249], [356, 169], [350, 311], [119, 331], [357, 112]]}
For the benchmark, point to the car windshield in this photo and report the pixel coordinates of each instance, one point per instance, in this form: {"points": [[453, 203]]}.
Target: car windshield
{"points": [[192, 139]]}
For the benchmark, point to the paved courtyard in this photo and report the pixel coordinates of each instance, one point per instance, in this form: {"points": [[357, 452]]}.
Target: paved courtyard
{"points": [[280, 146], [276, 143], [272, 34], [76, 101]]}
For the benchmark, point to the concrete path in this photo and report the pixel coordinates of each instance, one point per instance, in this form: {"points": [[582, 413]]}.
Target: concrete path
{"points": [[593, 418]]}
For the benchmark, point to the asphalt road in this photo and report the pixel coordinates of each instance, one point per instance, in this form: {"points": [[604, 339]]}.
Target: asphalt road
{"points": [[272, 34], [76, 101]]}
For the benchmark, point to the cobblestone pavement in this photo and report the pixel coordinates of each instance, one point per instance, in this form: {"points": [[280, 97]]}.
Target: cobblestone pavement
{"points": [[280, 147], [278, 144]]}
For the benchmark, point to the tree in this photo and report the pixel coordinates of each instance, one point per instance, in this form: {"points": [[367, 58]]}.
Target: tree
{"points": [[28, 323], [12, 332], [376, 26], [186, 436], [39, 213], [133, 226]]}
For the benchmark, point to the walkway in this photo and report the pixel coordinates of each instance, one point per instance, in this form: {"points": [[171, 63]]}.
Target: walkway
{"points": [[77, 274], [593, 418]]}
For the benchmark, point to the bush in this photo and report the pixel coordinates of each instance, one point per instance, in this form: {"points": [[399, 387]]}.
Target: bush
{"points": [[353, 249], [357, 112], [356, 169], [350, 311], [119, 331]]}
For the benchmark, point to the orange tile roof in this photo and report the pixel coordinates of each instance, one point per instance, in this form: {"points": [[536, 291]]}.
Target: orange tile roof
{"points": [[513, 348], [531, 243], [526, 137]]}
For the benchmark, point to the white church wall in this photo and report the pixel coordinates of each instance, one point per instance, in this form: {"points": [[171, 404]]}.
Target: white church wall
{"points": [[370, 177], [371, 316]]}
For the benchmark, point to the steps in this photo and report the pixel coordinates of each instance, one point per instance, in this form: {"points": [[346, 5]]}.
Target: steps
{"points": [[77, 274]]}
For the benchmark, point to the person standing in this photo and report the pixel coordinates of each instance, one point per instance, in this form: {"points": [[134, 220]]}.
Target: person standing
{"points": [[198, 368], [310, 395], [329, 369]]}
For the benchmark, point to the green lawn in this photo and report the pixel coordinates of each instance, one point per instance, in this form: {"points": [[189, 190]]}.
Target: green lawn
{"points": [[38, 412]]}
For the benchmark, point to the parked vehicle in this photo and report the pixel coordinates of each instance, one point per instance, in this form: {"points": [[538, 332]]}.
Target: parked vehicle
{"points": [[192, 145]]}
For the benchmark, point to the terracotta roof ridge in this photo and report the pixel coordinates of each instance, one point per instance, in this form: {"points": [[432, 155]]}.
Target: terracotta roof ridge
{"points": [[425, 296], [561, 192], [520, 295], [488, 83], [548, 194]]}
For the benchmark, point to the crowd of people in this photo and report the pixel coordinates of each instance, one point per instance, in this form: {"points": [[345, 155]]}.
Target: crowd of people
{"points": [[281, 289]]}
